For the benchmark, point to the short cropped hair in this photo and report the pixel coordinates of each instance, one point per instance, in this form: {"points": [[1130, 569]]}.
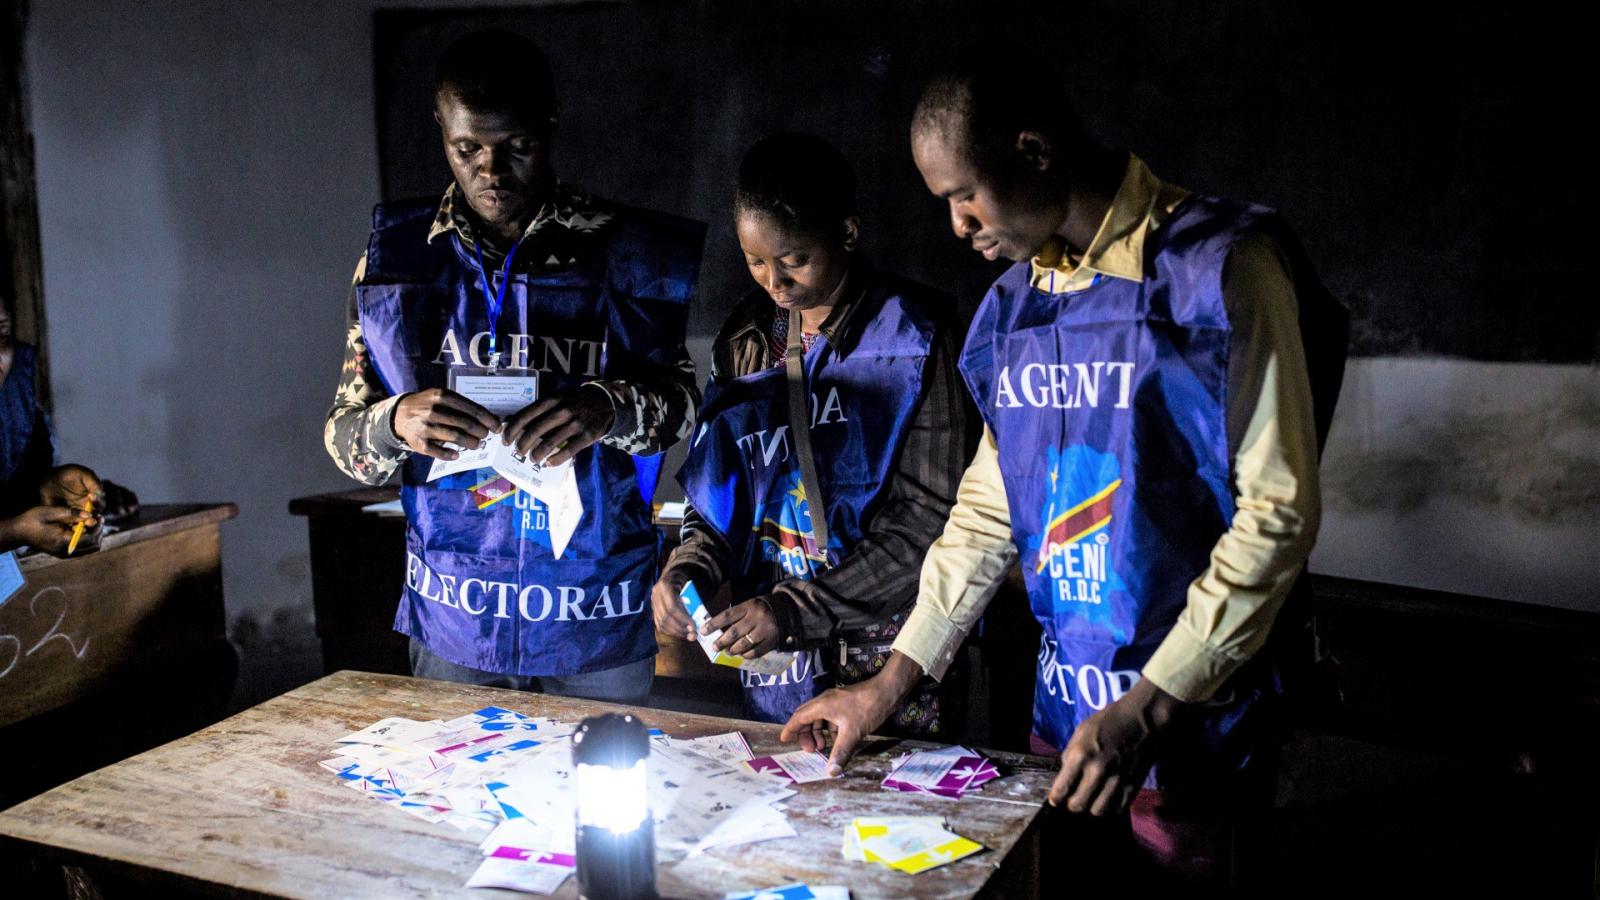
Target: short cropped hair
{"points": [[499, 71], [798, 180], [992, 93]]}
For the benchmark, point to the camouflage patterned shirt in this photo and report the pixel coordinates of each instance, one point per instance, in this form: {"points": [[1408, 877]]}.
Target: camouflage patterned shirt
{"points": [[652, 413]]}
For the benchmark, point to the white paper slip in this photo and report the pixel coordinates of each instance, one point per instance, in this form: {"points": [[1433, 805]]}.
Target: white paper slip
{"points": [[554, 486], [516, 875], [393, 731], [752, 823], [730, 747]]}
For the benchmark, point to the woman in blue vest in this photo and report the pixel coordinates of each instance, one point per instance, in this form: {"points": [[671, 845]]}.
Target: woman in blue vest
{"points": [[887, 425], [41, 503]]}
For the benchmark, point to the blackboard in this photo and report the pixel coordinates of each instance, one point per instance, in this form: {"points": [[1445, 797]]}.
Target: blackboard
{"points": [[1430, 162]]}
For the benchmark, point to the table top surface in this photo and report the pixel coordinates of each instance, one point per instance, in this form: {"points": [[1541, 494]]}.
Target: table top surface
{"points": [[242, 808], [153, 520]]}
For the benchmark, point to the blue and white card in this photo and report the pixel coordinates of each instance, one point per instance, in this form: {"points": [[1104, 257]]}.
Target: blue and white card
{"points": [[11, 579], [771, 664], [795, 891]]}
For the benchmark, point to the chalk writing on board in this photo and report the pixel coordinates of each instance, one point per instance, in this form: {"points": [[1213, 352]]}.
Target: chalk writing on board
{"points": [[12, 651]]}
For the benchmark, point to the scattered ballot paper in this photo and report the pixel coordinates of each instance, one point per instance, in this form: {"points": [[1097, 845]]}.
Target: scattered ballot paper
{"points": [[519, 875], [793, 892], [799, 767], [948, 772], [909, 844], [730, 747], [554, 486], [507, 780], [771, 664]]}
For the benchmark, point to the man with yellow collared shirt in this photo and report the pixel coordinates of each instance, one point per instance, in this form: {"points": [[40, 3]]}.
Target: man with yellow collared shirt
{"points": [[1156, 374]]}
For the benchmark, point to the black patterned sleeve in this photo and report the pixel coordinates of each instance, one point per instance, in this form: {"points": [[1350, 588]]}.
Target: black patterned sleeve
{"points": [[359, 432]]}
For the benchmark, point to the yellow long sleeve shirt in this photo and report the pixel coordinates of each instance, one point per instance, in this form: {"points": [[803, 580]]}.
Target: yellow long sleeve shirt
{"points": [[1272, 438]]}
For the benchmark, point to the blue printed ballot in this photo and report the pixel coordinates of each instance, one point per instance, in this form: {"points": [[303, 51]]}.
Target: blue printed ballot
{"points": [[797, 891], [771, 664], [10, 576]]}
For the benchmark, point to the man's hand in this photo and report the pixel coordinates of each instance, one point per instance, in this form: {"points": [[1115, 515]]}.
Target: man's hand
{"points": [[553, 430], [749, 629], [852, 712], [49, 529], [666, 603], [71, 486], [427, 420], [1108, 756]]}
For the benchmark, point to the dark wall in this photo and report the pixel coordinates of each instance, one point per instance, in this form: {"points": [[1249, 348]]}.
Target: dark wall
{"points": [[1431, 164]]}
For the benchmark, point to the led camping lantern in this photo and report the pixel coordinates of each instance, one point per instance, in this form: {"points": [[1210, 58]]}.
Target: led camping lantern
{"points": [[616, 836]]}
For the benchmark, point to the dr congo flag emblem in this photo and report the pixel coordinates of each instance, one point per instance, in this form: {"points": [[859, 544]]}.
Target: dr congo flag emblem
{"points": [[1074, 550], [785, 529]]}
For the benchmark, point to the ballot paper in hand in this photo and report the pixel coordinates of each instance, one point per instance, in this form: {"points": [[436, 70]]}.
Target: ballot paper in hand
{"points": [[554, 486], [771, 664]]}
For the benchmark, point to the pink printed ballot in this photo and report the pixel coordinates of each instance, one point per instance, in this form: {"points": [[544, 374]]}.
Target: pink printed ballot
{"points": [[950, 772]]}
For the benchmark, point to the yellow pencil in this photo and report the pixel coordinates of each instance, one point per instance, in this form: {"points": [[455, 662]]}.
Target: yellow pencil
{"points": [[77, 530]]}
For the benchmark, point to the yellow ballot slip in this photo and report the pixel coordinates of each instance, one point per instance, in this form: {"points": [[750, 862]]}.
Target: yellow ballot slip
{"points": [[910, 844]]}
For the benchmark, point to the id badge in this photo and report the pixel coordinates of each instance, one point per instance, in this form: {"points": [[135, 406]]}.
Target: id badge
{"points": [[504, 392]]}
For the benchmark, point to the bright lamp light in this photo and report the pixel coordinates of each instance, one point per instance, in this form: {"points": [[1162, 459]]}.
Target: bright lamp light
{"points": [[616, 836]]}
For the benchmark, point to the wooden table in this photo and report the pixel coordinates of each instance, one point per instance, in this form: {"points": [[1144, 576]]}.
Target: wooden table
{"points": [[152, 592], [242, 809]]}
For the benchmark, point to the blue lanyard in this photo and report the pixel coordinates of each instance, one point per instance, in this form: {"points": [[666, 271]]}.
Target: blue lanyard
{"points": [[495, 299]]}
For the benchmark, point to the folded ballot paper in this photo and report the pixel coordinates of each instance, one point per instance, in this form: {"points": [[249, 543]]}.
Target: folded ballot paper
{"points": [[771, 664], [554, 486], [505, 779], [909, 844], [948, 772]]}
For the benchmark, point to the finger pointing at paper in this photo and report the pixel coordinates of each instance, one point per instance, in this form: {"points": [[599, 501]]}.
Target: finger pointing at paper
{"points": [[852, 712]]}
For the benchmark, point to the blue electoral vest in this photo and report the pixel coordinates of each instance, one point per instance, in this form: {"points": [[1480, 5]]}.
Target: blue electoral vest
{"points": [[19, 412], [482, 586], [1108, 409], [743, 477]]}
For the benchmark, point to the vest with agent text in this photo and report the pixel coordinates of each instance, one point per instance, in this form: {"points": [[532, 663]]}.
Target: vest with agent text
{"points": [[1108, 409], [483, 588]]}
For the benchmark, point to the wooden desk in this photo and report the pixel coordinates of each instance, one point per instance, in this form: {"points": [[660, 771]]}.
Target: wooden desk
{"points": [[152, 592], [358, 564], [242, 808]]}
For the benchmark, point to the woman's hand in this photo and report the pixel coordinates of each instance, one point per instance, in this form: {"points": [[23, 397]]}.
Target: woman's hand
{"points": [[749, 629]]}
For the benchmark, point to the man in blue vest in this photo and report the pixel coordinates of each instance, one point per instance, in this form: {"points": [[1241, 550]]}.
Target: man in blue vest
{"points": [[514, 274], [1156, 373]]}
